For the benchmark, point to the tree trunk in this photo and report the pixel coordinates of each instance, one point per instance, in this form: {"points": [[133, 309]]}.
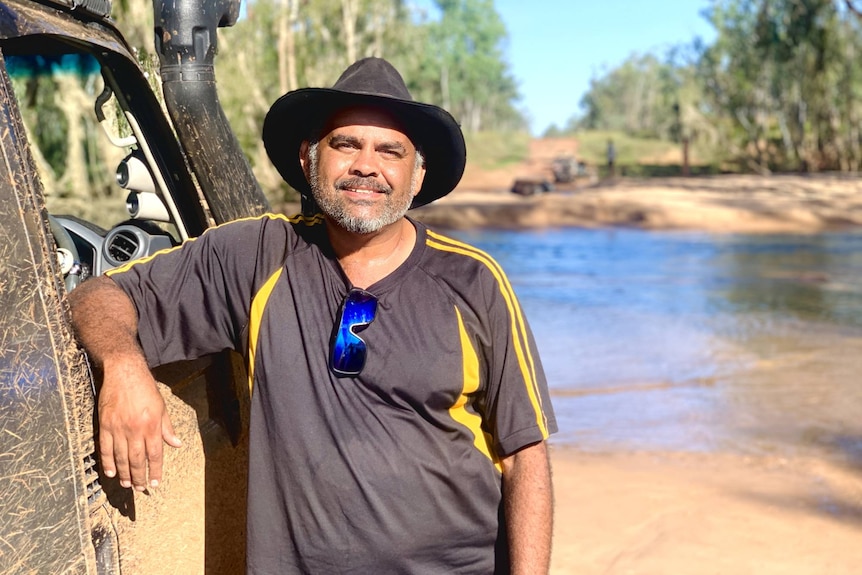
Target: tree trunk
{"points": [[288, 16], [444, 87], [349, 10], [292, 76], [70, 98]]}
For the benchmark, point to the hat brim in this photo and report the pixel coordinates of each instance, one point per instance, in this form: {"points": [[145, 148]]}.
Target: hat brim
{"points": [[432, 129]]}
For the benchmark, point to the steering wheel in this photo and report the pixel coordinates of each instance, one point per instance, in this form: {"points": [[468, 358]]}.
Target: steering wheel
{"points": [[67, 254]]}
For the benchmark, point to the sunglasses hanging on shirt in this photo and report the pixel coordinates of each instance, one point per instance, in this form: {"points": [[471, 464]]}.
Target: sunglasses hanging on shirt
{"points": [[347, 350]]}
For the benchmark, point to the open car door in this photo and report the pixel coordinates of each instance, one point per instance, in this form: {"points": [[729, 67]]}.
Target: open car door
{"points": [[58, 513]]}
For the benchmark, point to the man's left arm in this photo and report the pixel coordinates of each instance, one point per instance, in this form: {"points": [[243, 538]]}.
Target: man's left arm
{"points": [[528, 505]]}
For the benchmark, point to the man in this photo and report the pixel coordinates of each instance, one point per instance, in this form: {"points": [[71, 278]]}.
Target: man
{"points": [[612, 157], [399, 411]]}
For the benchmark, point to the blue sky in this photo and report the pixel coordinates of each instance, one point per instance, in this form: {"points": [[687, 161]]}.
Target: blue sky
{"points": [[556, 46]]}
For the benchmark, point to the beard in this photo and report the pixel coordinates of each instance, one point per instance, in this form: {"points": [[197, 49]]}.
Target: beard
{"points": [[338, 209]]}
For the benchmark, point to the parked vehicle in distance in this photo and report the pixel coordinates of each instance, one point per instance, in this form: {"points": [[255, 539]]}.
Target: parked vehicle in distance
{"points": [[566, 169], [531, 186]]}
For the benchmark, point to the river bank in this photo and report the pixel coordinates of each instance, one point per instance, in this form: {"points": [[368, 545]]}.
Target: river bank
{"points": [[723, 204]]}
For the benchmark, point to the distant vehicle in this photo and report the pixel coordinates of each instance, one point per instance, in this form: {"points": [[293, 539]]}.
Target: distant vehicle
{"points": [[531, 186], [567, 168]]}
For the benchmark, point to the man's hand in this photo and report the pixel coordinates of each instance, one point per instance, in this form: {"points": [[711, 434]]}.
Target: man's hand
{"points": [[132, 416], [133, 422]]}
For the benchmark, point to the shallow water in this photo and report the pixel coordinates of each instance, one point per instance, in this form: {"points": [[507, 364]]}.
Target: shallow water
{"points": [[692, 341]]}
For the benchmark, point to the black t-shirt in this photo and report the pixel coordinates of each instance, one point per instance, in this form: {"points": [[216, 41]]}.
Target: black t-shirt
{"points": [[396, 470]]}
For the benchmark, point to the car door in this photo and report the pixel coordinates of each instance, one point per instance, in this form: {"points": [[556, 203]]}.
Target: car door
{"points": [[45, 459], [58, 513]]}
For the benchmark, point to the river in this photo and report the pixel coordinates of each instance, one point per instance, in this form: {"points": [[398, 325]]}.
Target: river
{"points": [[694, 342]]}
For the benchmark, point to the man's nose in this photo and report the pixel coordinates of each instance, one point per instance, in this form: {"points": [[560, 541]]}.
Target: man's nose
{"points": [[365, 163]]}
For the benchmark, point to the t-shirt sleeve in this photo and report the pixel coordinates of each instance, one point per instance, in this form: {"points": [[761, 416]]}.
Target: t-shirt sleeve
{"points": [[194, 299], [518, 405]]}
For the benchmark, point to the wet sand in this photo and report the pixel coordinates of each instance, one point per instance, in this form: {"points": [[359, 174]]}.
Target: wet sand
{"points": [[661, 512]]}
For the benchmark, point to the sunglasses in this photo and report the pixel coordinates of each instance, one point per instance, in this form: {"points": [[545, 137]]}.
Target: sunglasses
{"points": [[348, 350]]}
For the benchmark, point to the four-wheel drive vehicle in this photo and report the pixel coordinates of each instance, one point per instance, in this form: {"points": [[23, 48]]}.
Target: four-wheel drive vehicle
{"points": [[531, 186], [567, 169], [183, 172]]}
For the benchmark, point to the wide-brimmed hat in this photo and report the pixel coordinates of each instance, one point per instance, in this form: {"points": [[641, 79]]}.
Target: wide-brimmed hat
{"points": [[367, 82]]}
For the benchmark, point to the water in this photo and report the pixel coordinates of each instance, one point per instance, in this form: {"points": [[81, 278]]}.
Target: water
{"points": [[692, 341]]}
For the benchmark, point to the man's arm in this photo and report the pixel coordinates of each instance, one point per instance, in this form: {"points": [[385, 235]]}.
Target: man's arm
{"points": [[528, 505], [133, 420]]}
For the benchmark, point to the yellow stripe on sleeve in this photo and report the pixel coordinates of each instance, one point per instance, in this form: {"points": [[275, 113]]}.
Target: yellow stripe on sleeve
{"points": [[129, 264]]}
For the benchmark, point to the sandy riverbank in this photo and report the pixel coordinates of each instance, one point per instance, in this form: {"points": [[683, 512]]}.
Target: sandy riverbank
{"points": [[698, 514], [744, 204]]}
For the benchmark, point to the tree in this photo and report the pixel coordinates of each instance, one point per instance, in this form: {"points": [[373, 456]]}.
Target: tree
{"points": [[466, 50], [774, 70]]}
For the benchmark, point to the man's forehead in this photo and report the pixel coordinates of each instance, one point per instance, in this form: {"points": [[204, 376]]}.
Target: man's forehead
{"points": [[365, 116]]}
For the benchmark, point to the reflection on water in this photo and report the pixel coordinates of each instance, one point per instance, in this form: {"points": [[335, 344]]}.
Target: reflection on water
{"points": [[694, 341]]}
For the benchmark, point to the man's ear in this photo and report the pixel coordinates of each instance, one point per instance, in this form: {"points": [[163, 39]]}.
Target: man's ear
{"points": [[303, 157], [420, 178]]}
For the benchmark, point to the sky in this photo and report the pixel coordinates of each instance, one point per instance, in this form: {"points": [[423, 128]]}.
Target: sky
{"points": [[556, 46]]}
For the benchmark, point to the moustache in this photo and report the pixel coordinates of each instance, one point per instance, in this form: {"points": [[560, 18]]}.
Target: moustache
{"points": [[368, 183]]}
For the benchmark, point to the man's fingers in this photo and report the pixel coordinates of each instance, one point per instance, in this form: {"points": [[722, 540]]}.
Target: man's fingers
{"points": [[155, 448], [121, 462], [138, 464], [106, 454], [168, 432], [154, 459]]}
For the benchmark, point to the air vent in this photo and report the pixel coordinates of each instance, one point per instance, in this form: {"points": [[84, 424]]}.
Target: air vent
{"points": [[123, 246], [94, 488]]}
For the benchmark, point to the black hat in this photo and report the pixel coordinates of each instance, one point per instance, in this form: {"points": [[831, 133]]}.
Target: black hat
{"points": [[367, 82]]}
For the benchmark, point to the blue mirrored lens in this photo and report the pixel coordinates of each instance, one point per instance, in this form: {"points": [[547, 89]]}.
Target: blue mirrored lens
{"points": [[348, 349]]}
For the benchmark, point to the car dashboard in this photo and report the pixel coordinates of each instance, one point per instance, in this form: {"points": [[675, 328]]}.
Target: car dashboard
{"points": [[99, 250]]}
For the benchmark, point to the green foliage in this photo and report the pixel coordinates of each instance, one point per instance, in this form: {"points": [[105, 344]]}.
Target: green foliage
{"points": [[779, 88], [776, 93], [638, 98], [466, 50], [135, 20], [48, 121]]}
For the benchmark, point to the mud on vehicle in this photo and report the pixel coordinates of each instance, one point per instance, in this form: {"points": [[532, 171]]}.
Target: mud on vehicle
{"points": [[167, 178]]}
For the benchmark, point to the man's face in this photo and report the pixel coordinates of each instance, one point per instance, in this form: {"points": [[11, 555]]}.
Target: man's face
{"points": [[364, 172]]}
